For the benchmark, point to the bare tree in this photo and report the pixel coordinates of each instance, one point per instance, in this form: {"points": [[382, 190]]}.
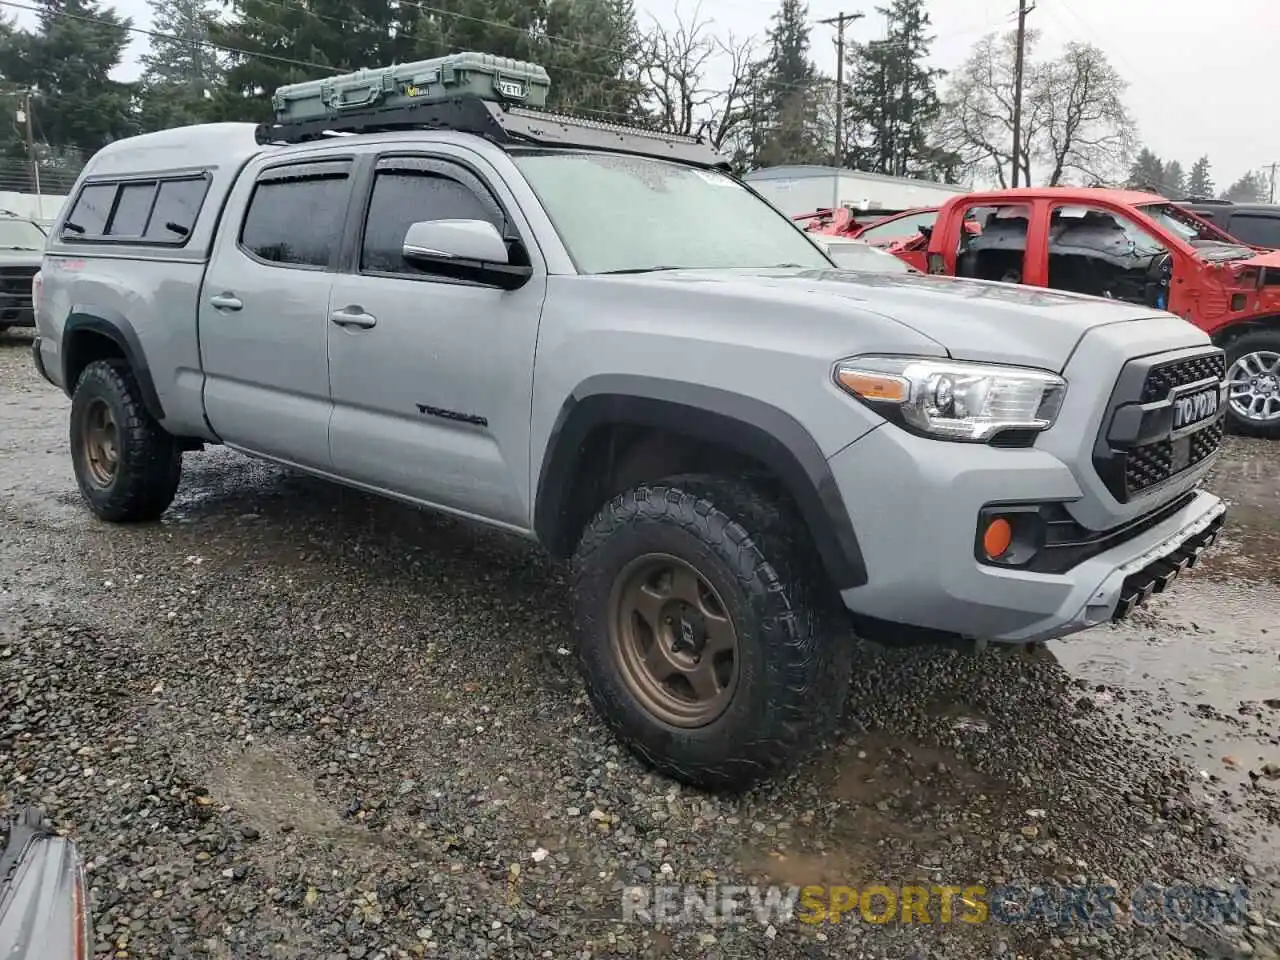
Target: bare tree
{"points": [[1074, 122], [732, 109], [976, 121], [1086, 128], [674, 64]]}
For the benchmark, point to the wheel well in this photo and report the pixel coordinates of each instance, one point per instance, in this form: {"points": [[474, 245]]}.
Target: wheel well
{"points": [[84, 347], [616, 457], [1235, 330]]}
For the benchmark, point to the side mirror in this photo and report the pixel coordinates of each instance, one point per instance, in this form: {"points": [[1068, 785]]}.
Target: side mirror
{"points": [[465, 249]]}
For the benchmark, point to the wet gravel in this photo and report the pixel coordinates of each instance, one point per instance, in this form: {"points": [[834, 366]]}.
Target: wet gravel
{"points": [[295, 721]]}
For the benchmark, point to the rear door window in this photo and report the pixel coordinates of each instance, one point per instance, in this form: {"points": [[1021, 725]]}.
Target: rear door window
{"points": [[295, 215], [993, 242]]}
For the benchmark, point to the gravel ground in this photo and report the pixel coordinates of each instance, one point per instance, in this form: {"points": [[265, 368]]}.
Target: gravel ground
{"points": [[295, 721]]}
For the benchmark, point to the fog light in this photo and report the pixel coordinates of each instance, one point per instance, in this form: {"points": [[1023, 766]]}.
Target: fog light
{"points": [[997, 538]]}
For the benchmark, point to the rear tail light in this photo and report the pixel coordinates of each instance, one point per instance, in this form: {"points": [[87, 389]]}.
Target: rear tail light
{"points": [[37, 287]]}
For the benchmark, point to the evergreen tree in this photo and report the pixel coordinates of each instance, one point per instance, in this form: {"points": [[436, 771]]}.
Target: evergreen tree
{"points": [[1147, 172], [506, 28], [1201, 183], [789, 116], [592, 50], [182, 70], [893, 99], [1174, 182], [1253, 187], [291, 43], [68, 61]]}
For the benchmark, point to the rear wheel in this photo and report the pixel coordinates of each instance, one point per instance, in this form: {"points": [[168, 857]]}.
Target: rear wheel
{"points": [[1253, 384], [126, 465], [708, 637]]}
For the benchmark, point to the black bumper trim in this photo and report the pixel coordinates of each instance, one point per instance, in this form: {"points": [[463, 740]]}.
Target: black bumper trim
{"points": [[1139, 586]]}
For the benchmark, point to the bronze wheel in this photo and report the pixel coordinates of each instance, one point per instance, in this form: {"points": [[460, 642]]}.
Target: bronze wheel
{"points": [[101, 443], [126, 465], [674, 641]]}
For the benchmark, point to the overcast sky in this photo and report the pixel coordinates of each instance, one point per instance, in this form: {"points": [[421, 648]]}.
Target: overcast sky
{"points": [[1201, 74]]}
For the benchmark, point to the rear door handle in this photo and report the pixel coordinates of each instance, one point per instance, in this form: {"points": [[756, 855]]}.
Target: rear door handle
{"points": [[353, 317], [226, 301]]}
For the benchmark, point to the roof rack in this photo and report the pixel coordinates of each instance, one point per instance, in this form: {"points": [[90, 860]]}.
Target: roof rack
{"points": [[1213, 200], [506, 125]]}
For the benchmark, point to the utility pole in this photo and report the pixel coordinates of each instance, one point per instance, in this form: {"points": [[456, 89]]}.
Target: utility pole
{"points": [[24, 116], [1272, 167], [1023, 10], [839, 21]]}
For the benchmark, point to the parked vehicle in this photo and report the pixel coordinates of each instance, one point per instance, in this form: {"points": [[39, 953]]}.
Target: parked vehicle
{"points": [[21, 246], [1257, 224], [1131, 246], [44, 906], [743, 452]]}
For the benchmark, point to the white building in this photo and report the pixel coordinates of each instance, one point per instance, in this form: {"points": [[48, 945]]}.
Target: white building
{"points": [[803, 188]]}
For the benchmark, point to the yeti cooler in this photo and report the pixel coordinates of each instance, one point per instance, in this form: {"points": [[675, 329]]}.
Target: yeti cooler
{"points": [[493, 78]]}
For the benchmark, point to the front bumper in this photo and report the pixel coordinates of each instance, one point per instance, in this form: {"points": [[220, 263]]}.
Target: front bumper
{"points": [[914, 503]]}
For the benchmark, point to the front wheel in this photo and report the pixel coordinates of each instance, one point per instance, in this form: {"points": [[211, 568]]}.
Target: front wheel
{"points": [[709, 640], [1253, 384], [126, 465]]}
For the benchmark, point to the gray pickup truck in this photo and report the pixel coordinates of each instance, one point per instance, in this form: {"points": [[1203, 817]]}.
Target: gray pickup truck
{"points": [[599, 339]]}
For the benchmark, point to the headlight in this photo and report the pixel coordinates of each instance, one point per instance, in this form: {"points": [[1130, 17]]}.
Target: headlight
{"points": [[952, 399]]}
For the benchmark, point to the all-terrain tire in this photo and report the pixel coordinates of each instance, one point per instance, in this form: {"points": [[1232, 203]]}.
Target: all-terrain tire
{"points": [[795, 645], [1260, 340], [149, 461]]}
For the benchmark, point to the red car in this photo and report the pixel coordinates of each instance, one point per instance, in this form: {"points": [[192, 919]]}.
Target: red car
{"points": [[1132, 246]]}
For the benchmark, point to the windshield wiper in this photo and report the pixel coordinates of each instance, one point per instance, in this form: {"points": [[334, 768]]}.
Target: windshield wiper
{"points": [[638, 270]]}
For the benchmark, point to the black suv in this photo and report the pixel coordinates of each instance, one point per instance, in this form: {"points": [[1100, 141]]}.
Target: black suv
{"points": [[1254, 223]]}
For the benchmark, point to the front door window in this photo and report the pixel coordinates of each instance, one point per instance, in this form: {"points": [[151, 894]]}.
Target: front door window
{"points": [[1104, 254]]}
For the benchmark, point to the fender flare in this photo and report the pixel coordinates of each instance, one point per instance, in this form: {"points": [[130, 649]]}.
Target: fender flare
{"points": [[117, 328], [707, 414]]}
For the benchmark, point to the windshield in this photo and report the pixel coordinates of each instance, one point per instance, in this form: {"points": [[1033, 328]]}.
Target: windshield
{"points": [[20, 235], [632, 214], [860, 256], [1183, 224], [903, 226]]}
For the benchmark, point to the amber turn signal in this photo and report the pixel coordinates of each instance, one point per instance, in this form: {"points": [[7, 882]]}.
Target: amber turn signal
{"points": [[874, 386], [997, 538]]}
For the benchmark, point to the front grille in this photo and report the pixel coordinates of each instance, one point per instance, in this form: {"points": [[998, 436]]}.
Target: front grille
{"points": [[1170, 376], [1136, 449], [15, 295], [1151, 464]]}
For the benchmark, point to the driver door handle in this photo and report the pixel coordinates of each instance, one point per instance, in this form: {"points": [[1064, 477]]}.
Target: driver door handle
{"points": [[353, 316], [226, 301]]}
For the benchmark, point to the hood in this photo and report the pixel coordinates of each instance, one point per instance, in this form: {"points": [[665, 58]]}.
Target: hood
{"points": [[20, 258], [970, 319], [1269, 259]]}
